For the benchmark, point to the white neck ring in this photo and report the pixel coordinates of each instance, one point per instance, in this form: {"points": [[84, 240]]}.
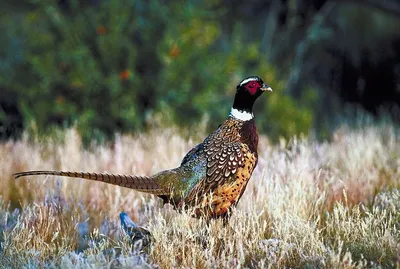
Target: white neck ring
{"points": [[241, 115]]}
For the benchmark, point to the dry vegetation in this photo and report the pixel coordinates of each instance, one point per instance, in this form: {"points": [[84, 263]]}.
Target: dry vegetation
{"points": [[309, 205]]}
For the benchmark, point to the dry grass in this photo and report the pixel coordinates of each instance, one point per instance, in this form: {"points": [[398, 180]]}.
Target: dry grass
{"points": [[308, 205]]}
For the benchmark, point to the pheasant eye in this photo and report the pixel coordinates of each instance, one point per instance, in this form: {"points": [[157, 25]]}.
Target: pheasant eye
{"points": [[252, 87], [253, 84]]}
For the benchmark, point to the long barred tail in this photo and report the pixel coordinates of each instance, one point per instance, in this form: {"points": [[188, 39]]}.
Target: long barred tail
{"points": [[139, 183]]}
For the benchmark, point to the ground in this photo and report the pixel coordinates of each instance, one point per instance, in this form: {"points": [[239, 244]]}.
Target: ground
{"points": [[309, 204]]}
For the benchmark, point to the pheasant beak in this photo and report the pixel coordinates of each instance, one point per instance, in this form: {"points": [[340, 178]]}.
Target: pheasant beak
{"points": [[265, 87]]}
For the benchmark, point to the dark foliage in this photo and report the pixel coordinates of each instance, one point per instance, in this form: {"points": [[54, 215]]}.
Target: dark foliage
{"points": [[112, 66]]}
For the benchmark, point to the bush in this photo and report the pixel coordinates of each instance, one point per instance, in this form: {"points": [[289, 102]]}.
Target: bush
{"points": [[111, 66]]}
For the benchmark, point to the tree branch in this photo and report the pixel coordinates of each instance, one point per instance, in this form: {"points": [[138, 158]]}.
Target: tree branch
{"points": [[388, 6]]}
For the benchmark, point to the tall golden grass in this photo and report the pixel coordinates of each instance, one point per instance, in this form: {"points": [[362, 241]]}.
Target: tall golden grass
{"points": [[309, 204]]}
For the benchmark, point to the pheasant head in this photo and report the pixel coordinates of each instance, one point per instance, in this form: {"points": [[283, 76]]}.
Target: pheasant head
{"points": [[247, 92]]}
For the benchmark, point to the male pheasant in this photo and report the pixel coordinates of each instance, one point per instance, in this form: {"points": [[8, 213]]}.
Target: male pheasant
{"points": [[213, 175]]}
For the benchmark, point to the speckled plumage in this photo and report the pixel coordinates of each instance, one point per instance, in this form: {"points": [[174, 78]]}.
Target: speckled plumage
{"points": [[213, 175], [228, 157]]}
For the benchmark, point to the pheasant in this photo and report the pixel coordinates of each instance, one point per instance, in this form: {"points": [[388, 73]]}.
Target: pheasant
{"points": [[213, 175]]}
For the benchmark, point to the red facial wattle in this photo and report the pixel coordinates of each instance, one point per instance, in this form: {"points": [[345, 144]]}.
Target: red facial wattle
{"points": [[252, 87]]}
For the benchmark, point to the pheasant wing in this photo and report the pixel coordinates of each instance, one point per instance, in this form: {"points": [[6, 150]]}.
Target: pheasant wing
{"points": [[223, 161], [192, 154]]}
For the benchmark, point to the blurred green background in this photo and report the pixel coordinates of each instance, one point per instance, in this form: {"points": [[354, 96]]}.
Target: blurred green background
{"points": [[125, 66]]}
